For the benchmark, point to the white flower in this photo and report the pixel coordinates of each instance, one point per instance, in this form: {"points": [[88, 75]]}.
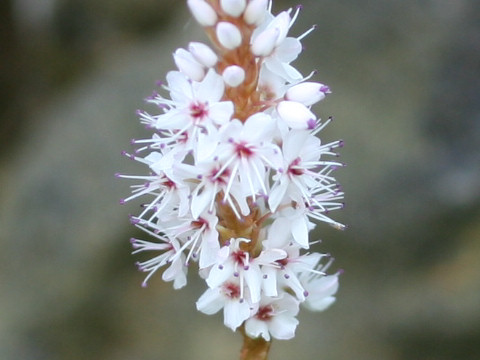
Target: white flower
{"points": [[227, 296], [235, 262], [303, 169], [176, 272], [199, 236], [275, 317], [248, 149], [194, 112], [320, 291]]}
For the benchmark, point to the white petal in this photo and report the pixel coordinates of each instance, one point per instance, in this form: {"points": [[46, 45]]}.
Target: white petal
{"points": [[300, 231], [235, 313], [221, 112], [210, 302], [269, 282], [288, 50], [256, 328], [277, 194], [253, 278], [180, 88], [201, 201], [283, 327], [219, 274], [258, 127], [294, 143], [211, 89]]}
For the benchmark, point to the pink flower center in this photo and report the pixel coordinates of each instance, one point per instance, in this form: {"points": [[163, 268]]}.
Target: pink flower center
{"points": [[198, 111], [293, 168], [165, 181], [239, 257], [264, 313], [220, 178], [243, 150], [231, 290], [197, 224]]}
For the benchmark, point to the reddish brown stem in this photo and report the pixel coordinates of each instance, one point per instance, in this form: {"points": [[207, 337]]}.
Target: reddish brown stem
{"points": [[254, 349]]}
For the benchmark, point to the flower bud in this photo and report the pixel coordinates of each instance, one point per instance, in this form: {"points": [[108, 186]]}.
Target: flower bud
{"points": [[264, 43], [228, 35], [233, 75], [202, 12], [307, 93], [255, 12], [233, 7], [203, 54], [188, 65], [296, 115]]}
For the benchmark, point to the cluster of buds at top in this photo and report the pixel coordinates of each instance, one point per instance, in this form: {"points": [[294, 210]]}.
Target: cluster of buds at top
{"points": [[238, 175]]}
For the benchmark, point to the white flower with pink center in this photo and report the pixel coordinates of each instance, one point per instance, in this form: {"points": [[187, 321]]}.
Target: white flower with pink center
{"points": [[275, 317]]}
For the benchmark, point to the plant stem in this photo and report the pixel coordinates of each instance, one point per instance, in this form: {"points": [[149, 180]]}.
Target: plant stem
{"points": [[254, 349]]}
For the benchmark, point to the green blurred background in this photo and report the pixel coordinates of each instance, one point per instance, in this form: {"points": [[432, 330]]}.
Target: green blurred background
{"points": [[405, 77]]}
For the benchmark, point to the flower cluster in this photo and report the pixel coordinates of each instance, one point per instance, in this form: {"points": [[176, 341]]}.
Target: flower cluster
{"points": [[238, 176]]}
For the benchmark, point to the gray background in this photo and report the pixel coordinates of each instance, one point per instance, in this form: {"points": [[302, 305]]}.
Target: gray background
{"points": [[406, 85]]}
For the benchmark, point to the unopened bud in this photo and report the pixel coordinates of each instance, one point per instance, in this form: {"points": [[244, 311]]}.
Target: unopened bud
{"points": [[228, 35], [264, 43], [202, 12], [203, 54], [233, 75], [307, 93], [255, 12], [233, 7], [296, 115], [188, 65]]}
